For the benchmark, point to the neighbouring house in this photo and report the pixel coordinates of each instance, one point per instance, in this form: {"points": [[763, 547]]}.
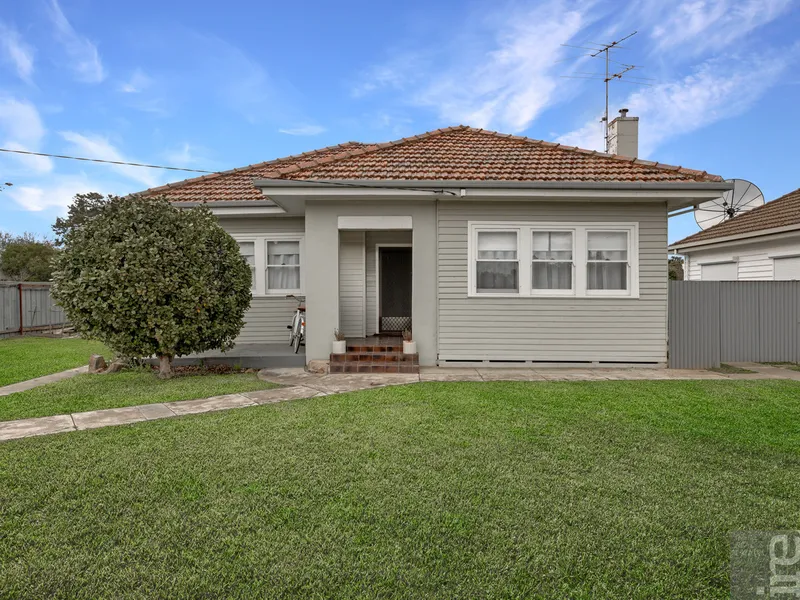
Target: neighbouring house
{"points": [[493, 248], [760, 245]]}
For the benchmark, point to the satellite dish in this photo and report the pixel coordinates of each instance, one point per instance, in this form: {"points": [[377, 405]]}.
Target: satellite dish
{"points": [[743, 197]]}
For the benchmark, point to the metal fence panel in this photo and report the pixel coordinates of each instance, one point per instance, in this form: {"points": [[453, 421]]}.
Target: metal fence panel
{"points": [[693, 324], [9, 308], [733, 321], [39, 311]]}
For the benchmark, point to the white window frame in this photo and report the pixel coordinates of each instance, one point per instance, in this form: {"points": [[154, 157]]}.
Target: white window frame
{"points": [[516, 231], [260, 243], [580, 255]]}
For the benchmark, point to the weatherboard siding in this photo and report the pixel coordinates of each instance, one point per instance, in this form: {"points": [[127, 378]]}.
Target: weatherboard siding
{"points": [[267, 318], [552, 329], [754, 259], [351, 283]]}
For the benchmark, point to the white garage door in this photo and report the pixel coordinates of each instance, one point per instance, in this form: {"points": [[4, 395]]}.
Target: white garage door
{"points": [[719, 272], [787, 268]]}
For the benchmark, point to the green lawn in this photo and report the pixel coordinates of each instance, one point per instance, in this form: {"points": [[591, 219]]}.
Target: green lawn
{"points": [[129, 388], [27, 357], [449, 490]]}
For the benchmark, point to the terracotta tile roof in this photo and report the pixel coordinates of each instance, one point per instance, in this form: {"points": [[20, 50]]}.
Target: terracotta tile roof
{"points": [[455, 153], [468, 154], [781, 212], [237, 184]]}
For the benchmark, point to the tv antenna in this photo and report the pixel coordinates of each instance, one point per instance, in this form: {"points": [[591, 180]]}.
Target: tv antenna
{"points": [[608, 76]]}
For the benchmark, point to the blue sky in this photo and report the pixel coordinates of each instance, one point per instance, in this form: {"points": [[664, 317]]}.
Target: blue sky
{"points": [[216, 85]]}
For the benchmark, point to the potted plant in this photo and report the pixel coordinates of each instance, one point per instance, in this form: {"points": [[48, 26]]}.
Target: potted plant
{"points": [[339, 345], [409, 346]]}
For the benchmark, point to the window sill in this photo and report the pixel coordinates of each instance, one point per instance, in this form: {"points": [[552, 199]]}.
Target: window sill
{"points": [[548, 296]]}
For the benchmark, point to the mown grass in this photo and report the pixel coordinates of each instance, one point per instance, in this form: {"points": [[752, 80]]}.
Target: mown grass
{"points": [[128, 388], [23, 358], [435, 490]]}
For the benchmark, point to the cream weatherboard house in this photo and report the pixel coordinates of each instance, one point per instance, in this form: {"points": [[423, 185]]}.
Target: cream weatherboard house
{"points": [[760, 245], [490, 247]]}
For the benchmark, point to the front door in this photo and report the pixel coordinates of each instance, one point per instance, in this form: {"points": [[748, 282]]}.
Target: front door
{"points": [[394, 290]]}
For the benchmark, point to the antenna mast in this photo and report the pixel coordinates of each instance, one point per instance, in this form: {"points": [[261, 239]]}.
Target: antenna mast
{"points": [[609, 76]]}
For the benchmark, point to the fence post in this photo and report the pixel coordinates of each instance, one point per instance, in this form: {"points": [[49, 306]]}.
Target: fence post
{"points": [[21, 324]]}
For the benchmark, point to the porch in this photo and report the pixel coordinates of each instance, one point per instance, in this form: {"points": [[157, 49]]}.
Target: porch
{"points": [[375, 354], [248, 356]]}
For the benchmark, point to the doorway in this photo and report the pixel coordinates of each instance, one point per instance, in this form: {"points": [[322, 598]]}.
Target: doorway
{"points": [[394, 288]]}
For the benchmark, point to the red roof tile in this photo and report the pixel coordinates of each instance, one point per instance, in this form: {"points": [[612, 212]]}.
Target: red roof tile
{"points": [[781, 212], [237, 184], [456, 153]]}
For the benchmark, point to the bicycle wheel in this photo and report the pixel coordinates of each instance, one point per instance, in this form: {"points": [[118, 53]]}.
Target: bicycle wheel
{"points": [[297, 339], [293, 330]]}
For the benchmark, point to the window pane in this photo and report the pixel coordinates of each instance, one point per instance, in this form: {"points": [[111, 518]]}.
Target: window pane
{"points": [[497, 276], [283, 253], [608, 245], [552, 276], [497, 245], [283, 278], [248, 251], [607, 276], [552, 245]]}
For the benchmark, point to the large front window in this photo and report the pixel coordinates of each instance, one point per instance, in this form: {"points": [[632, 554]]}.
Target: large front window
{"points": [[553, 259], [276, 263]]}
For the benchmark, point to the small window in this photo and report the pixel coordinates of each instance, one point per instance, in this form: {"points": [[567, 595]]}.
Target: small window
{"points": [[283, 266], [248, 251], [607, 260], [727, 271], [497, 265], [551, 260], [787, 268]]}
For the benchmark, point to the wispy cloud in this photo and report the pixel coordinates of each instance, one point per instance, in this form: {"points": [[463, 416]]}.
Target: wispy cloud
{"points": [[96, 146], [509, 86], [186, 155], [83, 55], [717, 89], [303, 130], [56, 192], [694, 26], [136, 84], [16, 52], [23, 129]]}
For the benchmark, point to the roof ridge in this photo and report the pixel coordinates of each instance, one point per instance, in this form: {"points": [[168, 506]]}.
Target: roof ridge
{"points": [[181, 183], [364, 149]]}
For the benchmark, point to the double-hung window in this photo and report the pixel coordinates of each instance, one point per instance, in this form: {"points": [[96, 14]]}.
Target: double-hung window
{"points": [[276, 263], [553, 259], [248, 251], [497, 265], [607, 260], [283, 266]]}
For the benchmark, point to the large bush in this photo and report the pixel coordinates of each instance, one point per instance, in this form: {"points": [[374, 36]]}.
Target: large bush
{"points": [[146, 279]]}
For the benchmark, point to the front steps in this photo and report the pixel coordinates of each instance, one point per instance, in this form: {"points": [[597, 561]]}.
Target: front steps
{"points": [[380, 356]]}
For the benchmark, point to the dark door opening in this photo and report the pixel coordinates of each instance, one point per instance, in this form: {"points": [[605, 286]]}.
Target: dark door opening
{"points": [[394, 289]]}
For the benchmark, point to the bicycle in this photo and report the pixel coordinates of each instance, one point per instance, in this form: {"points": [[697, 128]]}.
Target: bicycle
{"points": [[297, 330]]}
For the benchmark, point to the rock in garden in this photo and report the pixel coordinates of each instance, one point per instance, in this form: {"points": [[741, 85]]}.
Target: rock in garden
{"points": [[96, 363]]}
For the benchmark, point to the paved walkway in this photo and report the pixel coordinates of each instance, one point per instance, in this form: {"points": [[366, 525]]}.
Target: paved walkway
{"points": [[299, 383], [32, 383]]}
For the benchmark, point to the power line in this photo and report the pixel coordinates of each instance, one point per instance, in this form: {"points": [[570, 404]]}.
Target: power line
{"points": [[148, 166]]}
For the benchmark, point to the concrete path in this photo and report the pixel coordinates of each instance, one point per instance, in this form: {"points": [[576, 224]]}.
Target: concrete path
{"points": [[299, 383], [32, 383], [768, 371]]}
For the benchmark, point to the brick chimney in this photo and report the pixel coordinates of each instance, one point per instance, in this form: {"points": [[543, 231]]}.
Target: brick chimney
{"points": [[623, 135]]}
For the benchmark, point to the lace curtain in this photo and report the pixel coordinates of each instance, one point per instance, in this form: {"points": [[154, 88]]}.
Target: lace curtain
{"points": [[283, 265]]}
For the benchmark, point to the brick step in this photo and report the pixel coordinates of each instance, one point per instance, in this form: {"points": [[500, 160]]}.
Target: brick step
{"points": [[379, 348], [370, 367], [375, 357]]}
